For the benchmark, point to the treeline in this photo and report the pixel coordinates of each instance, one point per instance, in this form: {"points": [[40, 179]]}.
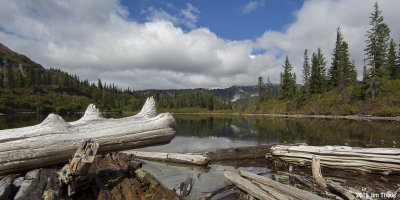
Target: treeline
{"points": [[338, 84], [27, 86], [190, 99]]}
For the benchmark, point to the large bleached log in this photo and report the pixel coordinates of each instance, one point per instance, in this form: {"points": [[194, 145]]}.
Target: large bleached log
{"points": [[377, 160], [285, 190], [55, 141], [172, 157], [247, 186]]}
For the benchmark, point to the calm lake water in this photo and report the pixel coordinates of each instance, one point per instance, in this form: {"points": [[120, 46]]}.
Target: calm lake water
{"points": [[196, 133]]}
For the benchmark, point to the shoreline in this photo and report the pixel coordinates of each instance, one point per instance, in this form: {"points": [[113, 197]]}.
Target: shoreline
{"points": [[351, 117]]}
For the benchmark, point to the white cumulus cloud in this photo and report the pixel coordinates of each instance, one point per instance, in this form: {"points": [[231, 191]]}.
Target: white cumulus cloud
{"points": [[96, 39]]}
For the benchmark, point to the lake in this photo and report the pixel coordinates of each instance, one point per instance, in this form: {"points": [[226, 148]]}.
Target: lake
{"points": [[197, 132]]}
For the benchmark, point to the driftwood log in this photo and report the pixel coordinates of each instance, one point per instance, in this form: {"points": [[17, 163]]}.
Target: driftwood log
{"points": [[328, 185], [55, 141], [172, 157], [372, 160], [247, 186], [280, 191]]}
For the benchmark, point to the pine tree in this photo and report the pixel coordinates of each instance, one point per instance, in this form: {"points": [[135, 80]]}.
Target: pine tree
{"points": [[261, 89], [392, 59], [318, 76], [306, 72], [288, 82], [376, 50]]}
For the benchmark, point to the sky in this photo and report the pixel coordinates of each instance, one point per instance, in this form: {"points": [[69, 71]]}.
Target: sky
{"points": [[154, 44]]}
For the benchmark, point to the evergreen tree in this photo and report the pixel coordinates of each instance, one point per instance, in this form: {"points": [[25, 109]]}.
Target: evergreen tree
{"points": [[288, 82], [261, 89], [10, 78], [342, 72], [269, 94], [306, 72], [318, 74], [392, 59], [366, 83], [397, 66], [99, 84], [376, 49], [1, 79]]}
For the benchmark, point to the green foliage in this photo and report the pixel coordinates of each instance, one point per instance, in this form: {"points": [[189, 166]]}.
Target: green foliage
{"points": [[392, 59], [288, 88], [376, 50], [342, 72], [318, 76]]}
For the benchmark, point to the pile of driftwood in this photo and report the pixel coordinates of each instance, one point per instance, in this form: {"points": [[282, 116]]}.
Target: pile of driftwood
{"points": [[54, 140], [364, 160], [87, 176]]}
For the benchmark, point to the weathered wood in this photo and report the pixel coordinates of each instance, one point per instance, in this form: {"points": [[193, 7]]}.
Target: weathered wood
{"points": [[336, 188], [331, 186], [84, 157], [316, 172], [172, 157], [376, 160], [55, 141], [209, 195], [247, 186], [281, 188], [6, 186]]}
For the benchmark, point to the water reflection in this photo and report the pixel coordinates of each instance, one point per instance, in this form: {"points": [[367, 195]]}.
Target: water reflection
{"points": [[207, 132], [272, 130]]}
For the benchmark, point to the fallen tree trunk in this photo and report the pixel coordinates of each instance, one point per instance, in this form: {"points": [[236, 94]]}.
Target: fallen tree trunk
{"points": [[328, 185], [375, 160], [248, 186], [285, 190], [172, 157], [55, 141]]}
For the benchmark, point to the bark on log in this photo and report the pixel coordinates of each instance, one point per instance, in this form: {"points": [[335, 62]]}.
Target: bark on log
{"points": [[247, 186], [281, 188], [376, 160], [172, 157], [55, 141]]}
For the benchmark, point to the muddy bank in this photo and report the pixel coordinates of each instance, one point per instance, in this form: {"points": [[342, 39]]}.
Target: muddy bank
{"points": [[113, 176]]}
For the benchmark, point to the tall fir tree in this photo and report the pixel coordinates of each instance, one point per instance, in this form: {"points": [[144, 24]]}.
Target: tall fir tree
{"points": [[391, 63], [306, 72], [342, 72], [318, 73], [376, 50], [261, 89], [288, 82]]}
